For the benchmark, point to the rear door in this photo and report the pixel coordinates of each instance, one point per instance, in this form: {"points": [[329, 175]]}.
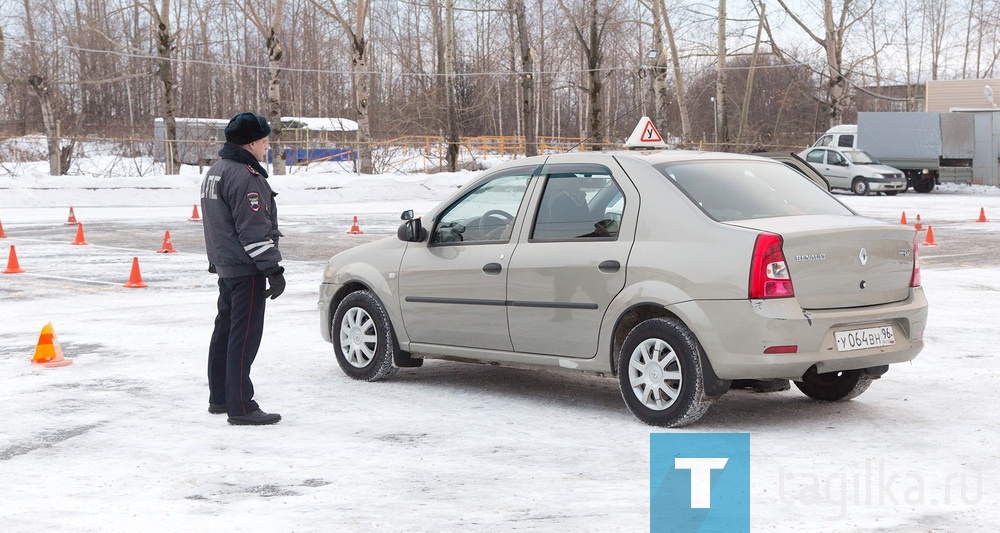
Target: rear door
{"points": [[571, 260]]}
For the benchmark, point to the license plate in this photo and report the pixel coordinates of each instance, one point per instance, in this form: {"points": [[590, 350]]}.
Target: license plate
{"points": [[860, 339]]}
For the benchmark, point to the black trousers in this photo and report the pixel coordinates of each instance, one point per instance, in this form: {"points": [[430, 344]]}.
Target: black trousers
{"points": [[238, 329]]}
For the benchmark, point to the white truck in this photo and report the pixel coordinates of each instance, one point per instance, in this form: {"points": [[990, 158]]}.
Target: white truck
{"points": [[930, 148]]}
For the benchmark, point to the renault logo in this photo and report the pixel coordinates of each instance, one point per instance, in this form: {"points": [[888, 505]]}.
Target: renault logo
{"points": [[863, 256]]}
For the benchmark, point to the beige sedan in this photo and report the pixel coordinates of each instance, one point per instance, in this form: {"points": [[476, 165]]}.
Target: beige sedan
{"points": [[678, 272]]}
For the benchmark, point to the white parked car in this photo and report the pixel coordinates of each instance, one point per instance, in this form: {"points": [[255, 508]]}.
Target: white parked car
{"points": [[855, 170]]}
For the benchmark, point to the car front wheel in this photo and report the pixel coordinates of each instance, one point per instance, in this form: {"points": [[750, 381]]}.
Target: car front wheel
{"points": [[363, 339], [860, 187], [660, 374], [834, 386]]}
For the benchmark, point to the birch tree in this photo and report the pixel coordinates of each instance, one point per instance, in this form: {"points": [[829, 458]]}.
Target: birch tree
{"points": [[359, 69], [270, 29]]}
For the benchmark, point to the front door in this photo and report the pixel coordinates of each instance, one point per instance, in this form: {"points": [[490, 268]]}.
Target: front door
{"points": [[453, 288]]}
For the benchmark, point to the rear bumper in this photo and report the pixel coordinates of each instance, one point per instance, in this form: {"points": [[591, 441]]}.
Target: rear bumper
{"points": [[736, 347]]}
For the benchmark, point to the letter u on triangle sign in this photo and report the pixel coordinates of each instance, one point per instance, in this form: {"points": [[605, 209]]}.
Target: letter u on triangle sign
{"points": [[645, 136]]}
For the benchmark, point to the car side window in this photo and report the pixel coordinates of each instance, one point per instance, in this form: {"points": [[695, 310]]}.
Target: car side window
{"points": [[846, 141], [825, 140], [815, 156], [579, 206], [485, 215], [834, 158]]}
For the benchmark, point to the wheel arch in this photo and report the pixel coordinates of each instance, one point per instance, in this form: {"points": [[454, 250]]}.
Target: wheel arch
{"points": [[638, 313]]}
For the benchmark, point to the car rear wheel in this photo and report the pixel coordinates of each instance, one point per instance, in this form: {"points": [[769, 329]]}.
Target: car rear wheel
{"points": [[834, 386], [860, 187], [660, 374], [363, 339]]}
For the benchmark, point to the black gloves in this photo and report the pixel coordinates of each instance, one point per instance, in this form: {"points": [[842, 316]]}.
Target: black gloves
{"points": [[276, 283]]}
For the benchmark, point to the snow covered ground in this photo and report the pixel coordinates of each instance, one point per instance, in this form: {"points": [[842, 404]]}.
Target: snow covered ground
{"points": [[121, 440]]}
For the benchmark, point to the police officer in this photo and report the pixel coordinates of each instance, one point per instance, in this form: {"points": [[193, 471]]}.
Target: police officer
{"points": [[241, 238]]}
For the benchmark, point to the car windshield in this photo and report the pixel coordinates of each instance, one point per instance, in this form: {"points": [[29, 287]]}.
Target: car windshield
{"points": [[860, 157], [739, 190]]}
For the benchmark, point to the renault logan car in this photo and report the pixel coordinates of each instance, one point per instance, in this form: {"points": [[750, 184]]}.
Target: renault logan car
{"points": [[675, 271], [855, 170]]}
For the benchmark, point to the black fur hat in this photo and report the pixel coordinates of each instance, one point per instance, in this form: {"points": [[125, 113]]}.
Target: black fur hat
{"points": [[246, 128]]}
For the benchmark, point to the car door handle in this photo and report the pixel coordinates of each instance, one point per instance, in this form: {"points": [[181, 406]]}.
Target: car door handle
{"points": [[609, 267], [492, 268]]}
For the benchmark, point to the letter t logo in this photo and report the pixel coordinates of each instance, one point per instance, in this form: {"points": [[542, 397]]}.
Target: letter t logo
{"points": [[701, 477]]}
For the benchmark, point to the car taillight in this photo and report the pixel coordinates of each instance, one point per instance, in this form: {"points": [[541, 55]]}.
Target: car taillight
{"points": [[769, 276], [915, 277]]}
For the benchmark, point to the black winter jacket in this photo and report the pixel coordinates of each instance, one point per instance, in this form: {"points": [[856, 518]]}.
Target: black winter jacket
{"points": [[240, 216]]}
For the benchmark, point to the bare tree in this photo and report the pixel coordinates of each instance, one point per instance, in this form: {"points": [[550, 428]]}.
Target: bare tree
{"points": [[528, 113], [166, 46], [270, 29], [591, 46], [833, 42], [37, 80], [661, 24], [359, 68], [721, 102]]}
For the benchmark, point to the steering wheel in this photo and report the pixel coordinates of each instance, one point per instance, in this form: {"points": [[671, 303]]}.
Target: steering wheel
{"points": [[491, 233]]}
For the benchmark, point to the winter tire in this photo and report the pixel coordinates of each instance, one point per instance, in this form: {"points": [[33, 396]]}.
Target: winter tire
{"points": [[363, 339], [660, 374], [924, 185], [834, 386], [860, 187]]}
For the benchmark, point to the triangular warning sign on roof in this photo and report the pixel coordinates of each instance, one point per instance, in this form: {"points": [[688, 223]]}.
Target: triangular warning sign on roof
{"points": [[645, 136]]}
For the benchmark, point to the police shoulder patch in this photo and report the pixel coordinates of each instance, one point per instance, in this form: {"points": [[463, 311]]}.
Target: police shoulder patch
{"points": [[253, 200]]}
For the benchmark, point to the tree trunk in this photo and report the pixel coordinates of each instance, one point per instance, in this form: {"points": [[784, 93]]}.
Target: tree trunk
{"points": [[168, 84], [678, 76], [274, 53], [449, 75], [528, 112], [720, 85], [360, 68]]}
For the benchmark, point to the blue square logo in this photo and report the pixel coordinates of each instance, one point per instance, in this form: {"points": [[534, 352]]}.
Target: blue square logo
{"points": [[699, 482]]}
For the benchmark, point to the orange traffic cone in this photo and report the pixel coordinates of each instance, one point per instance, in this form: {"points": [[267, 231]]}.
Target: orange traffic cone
{"points": [[79, 235], [929, 241], [168, 248], [48, 353], [2, 234], [135, 278], [902, 219], [982, 218], [918, 226], [355, 230], [194, 214], [72, 218], [12, 266]]}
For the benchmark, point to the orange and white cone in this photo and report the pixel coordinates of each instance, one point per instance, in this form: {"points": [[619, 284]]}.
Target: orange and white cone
{"points": [[135, 278], [982, 218], [902, 219], [194, 214], [167, 248], [355, 230], [919, 226], [48, 353], [72, 218], [79, 235], [12, 266]]}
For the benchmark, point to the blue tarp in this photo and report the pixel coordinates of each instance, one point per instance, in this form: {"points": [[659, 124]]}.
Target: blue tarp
{"points": [[315, 155]]}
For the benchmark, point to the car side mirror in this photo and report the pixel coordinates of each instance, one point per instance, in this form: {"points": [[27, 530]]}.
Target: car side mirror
{"points": [[411, 231]]}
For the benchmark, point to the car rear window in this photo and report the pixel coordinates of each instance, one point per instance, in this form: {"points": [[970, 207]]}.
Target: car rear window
{"points": [[739, 190]]}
